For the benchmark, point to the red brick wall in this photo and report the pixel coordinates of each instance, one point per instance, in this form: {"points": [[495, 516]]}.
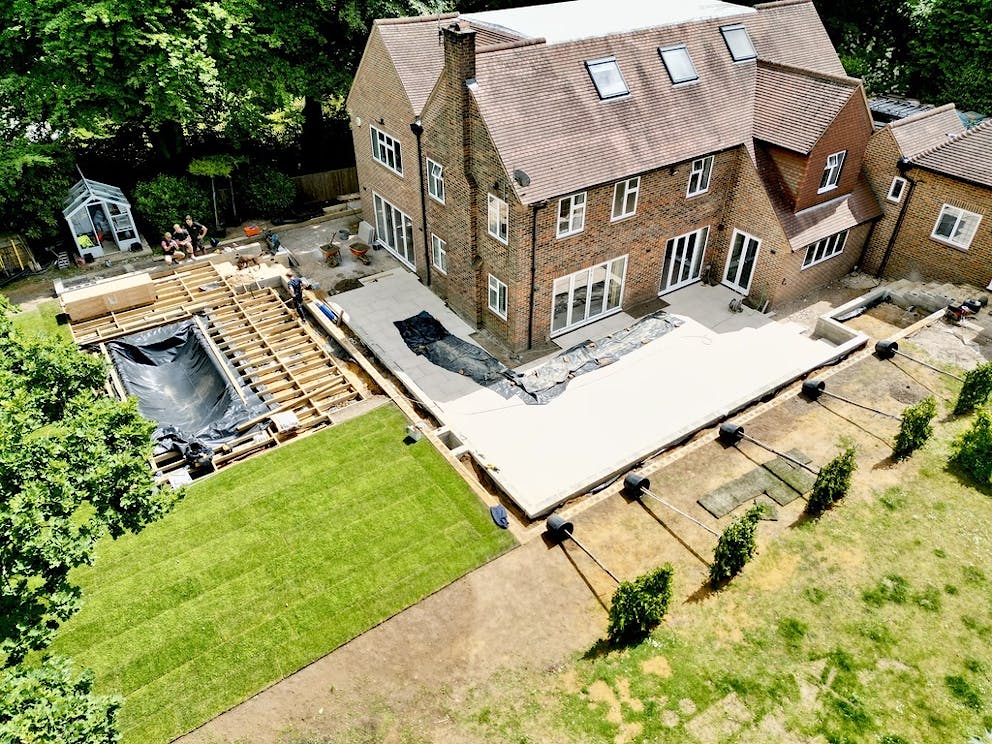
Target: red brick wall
{"points": [[881, 158]]}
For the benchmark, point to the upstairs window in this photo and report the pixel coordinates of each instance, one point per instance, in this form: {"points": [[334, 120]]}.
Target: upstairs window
{"points": [[738, 42], [435, 180], [678, 63], [896, 189], [386, 150], [699, 176], [607, 78], [956, 226], [499, 218], [625, 197], [831, 172], [439, 254], [571, 214]]}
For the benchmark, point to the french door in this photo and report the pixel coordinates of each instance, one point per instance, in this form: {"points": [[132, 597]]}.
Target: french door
{"points": [[683, 260], [394, 230], [588, 294], [740, 262]]}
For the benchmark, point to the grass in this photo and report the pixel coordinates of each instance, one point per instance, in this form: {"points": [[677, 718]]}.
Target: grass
{"points": [[41, 320], [872, 624], [268, 566]]}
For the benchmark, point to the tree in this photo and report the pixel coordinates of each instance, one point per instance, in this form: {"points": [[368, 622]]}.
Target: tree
{"points": [[833, 481], [735, 546], [915, 429], [33, 182], [972, 450], [639, 605], [48, 703], [73, 467]]}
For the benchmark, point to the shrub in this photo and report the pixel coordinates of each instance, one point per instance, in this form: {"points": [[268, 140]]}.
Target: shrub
{"points": [[833, 482], [165, 200], [263, 191], [639, 605], [972, 451], [736, 546], [916, 428], [976, 389]]}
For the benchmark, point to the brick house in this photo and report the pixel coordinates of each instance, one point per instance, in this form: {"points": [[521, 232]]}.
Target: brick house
{"points": [[543, 167], [934, 181]]}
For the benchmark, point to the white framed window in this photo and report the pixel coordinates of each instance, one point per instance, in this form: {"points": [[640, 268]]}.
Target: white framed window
{"points": [[394, 230], [386, 150], [607, 78], [435, 180], [439, 254], [625, 198], [499, 219], [821, 250], [956, 226], [678, 63], [571, 214], [497, 296], [738, 42], [741, 260], [683, 260], [699, 176], [588, 294], [896, 189], [831, 171]]}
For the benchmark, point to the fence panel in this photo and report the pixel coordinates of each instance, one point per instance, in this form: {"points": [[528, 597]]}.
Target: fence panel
{"points": [[327, 185]]}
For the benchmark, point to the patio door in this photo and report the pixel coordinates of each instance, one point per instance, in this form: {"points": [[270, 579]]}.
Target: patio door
{"points": [[683, 260], [740, 262], [394, 230], [586, 295]]}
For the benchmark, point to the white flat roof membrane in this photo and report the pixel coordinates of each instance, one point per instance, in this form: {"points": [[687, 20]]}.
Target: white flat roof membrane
{"points": [[584, 19]]}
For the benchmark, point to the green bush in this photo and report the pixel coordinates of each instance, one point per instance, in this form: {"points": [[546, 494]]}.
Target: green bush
{"points": [[165, 200], [916, 428], [976, 389], [262, 191], [736, 546], [639, 605], [833, 482], [972, 451]]}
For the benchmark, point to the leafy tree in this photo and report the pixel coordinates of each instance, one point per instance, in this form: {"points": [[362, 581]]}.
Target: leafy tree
{"points": [[33, 183], [639, 605], [916, 428], [976, 389], [73, 467], [48, 703], [265, 192], [833, 481], [167, 199], [972, 451], [735, 546]]}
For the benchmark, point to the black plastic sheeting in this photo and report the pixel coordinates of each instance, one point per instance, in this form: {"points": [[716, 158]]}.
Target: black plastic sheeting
{"points": [[426, 336], [180, 384]]}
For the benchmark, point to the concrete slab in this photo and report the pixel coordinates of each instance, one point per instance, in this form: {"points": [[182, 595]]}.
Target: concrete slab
{"points": [[606, 420]]}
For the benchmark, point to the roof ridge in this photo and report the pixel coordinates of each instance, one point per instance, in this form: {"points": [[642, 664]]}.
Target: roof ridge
{"points": [[920, 115], [780, 4], [952, 139], [841, 79], [510, 45], [414, 19]]}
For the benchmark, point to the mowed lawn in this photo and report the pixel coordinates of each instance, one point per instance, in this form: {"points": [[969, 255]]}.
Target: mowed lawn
{"points": [[41, 320], [269, 565]]}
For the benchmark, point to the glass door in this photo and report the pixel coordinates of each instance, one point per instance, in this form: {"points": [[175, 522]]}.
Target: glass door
{"points": [[394, 230], [683, 260], [740, 262], [582, 297]]}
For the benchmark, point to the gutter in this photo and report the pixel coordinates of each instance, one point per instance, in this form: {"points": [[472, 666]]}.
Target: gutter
{"points": [[418, 129], [904, 166]]}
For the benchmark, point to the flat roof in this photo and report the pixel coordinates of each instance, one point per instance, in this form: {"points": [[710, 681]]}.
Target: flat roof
{"points": [[583, 19]]}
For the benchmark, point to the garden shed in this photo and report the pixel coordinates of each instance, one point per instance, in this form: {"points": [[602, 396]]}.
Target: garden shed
{"points": [[99, 216]]}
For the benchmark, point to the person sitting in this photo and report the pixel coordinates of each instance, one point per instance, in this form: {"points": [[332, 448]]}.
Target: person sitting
{"points": [[171, 249], [183, 239]]}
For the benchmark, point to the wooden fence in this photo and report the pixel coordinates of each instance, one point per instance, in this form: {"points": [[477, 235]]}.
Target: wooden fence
{"points": [[327, 185]]}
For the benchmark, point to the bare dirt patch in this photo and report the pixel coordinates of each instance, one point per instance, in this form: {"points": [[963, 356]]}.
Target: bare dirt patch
{"points": [[657, 665]]}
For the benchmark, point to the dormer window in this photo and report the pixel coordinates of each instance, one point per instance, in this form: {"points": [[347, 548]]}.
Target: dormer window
{"points": [[607, 78], [678, 63], [738, 42], [831, 171]]}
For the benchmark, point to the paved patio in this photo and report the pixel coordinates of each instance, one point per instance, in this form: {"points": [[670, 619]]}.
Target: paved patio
{"points": [[717, 362]]}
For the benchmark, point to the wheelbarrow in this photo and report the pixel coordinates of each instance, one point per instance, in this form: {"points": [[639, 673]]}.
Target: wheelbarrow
{"points": [[332, 254]]}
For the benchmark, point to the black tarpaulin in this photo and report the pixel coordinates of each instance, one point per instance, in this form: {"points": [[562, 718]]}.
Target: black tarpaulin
{"points": [[180, 384]]}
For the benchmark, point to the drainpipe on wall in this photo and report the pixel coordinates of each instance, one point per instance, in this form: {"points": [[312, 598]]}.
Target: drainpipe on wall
{"points": [[533, 277], [904, 166], [418, 129]]}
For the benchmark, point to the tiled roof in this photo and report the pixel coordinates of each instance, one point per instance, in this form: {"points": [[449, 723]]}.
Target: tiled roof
{"points": [[793, 107], [831, 217], [967, 156], [418, 56], [927, 129], [791, 33], [545, 117], [486, 35]]}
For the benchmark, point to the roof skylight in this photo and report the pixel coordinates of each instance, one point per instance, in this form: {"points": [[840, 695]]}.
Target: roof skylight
{"points": [[606, 76], [738, 42], [678, 63]]}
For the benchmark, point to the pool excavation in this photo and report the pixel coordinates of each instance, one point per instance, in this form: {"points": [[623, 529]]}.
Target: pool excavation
{"points": [[215, 357]]}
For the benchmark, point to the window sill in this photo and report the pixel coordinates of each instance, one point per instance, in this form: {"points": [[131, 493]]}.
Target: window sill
{"points": [[494, 312], [435, 199], [694, 194], [821, 261], [498, 239], [562, 236], [827, 189], [439, 270], [622, 218], [949, 244]]}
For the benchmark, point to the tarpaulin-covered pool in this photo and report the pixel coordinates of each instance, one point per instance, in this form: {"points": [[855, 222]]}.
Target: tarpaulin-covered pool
{"points": [[180, 383]]}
